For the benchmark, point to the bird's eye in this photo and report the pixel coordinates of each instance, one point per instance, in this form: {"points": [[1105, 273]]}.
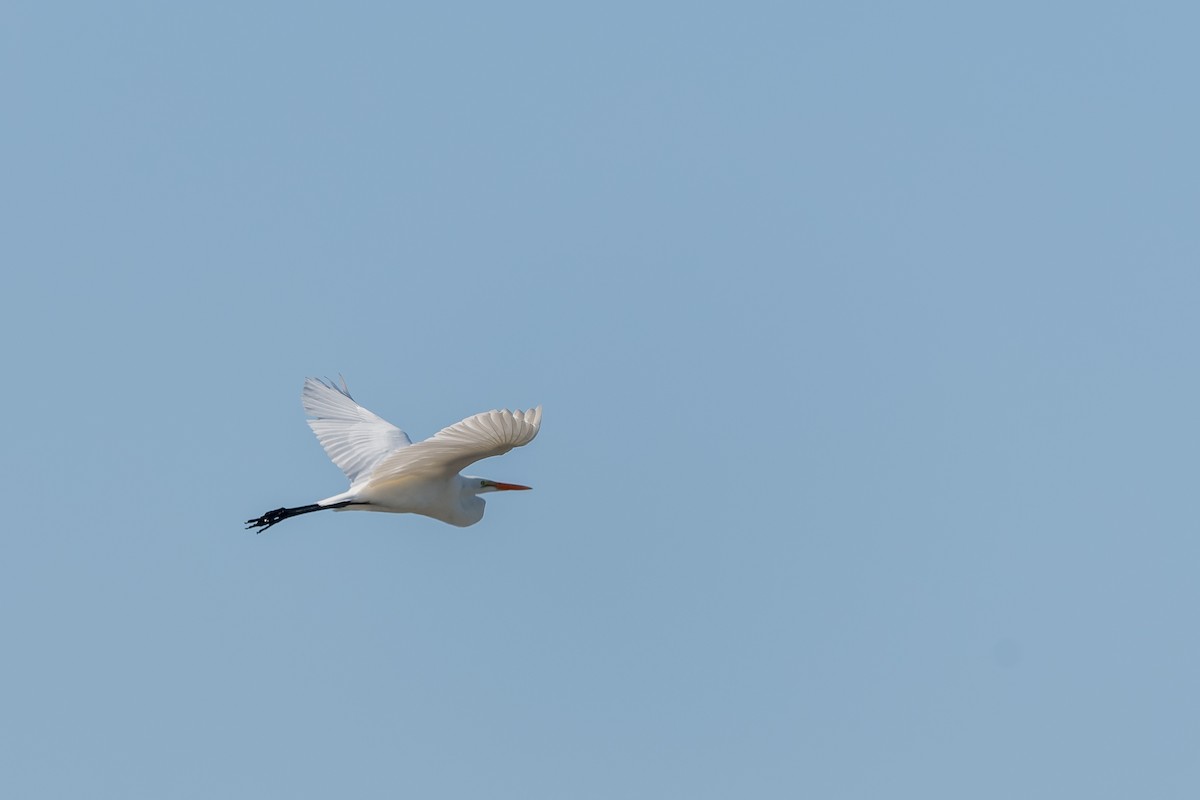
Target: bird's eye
{"points": [[482, 484]]}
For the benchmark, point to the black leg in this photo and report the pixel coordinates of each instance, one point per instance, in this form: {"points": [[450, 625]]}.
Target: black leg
{"points": [[280, 514]]}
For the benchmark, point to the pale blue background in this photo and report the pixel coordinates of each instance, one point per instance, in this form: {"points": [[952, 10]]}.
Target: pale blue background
{"points": [[867, 339]]}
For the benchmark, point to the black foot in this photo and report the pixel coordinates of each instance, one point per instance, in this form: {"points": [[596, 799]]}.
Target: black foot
{"points": [[280, 514], [268, 519]]}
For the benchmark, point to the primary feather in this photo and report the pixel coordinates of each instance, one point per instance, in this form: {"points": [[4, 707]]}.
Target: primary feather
{"points": [[452, 449], [354, 438]]}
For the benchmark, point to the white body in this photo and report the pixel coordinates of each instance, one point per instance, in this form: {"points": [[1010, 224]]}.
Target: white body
{"points": [[446, 500], [388, 472]]}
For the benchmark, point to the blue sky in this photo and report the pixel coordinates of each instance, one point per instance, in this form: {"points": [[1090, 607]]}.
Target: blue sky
{"points": [[866, 339]]}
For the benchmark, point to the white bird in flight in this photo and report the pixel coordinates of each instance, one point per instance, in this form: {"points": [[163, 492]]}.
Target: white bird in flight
{"points": [[388, 472]]}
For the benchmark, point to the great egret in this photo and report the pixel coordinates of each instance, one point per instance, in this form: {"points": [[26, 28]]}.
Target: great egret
{"points": [[388, 472]]}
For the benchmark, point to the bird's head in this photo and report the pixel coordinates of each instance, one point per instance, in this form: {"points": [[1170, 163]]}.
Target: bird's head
{"points": [[483, 485]]}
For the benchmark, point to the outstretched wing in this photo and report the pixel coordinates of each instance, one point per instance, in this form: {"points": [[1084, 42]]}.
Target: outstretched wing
{"points": [[353, 437], [448, 451]]}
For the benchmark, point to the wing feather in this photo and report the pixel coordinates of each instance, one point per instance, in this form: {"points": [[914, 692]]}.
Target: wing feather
{"points": [[451, 449], [354, 438]]}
